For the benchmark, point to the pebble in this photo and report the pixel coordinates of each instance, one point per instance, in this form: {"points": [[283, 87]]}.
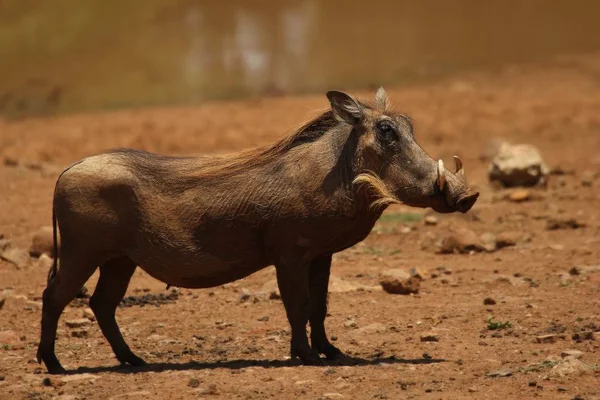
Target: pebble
{"points": [[430, 220], [518, 165], [398, 281], [78, 323], [501, 373], [532, 383], [42, 242], [571, 353], [462, 240], [11, 339], [89, 314], [488, 301], [79, 333], [563, 223], [193, 383], [519, 195], [546, 338], [584, 335], [2, 301], [245, 295], [429, 337], [44, 262], [18, 257]]}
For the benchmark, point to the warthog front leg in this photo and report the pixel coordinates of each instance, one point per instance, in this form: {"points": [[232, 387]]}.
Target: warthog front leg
{"points": [[293, 282], [318, 283], [112, 285]]}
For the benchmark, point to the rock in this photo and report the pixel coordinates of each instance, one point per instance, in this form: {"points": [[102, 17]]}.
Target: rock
{"points": [[42, 242], [44, 262], [18, 257], [398, 281], [506, 239], [210, 389], [89, 314], [2, 301], [371, 329], [245, 295], [519, 195], [571, 353], [488, 301], [532, 383], [563, 223], [462, 240], [417, 273], [10, 161], [429, 337], [271, 290], [193, 383], [350, 323], [488, 241], [430, 220], [587, 178], [546, 338], [4, 244], [10, 340], [79, 333], [78, 323], [518, 165], [570, 366], [583, 335], [501, 373], [79, 377], [333, 395]]}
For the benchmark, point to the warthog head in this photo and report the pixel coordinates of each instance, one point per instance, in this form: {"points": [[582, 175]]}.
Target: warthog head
{"points": [[391, 162]]}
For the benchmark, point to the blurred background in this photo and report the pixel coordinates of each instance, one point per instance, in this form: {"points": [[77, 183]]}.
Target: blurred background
{"points": [[69, 55]]}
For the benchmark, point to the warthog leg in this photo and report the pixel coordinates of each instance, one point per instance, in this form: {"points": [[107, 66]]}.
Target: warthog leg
{"points": [[112, 285], [75, 269], [318, 283], [293, 282]]}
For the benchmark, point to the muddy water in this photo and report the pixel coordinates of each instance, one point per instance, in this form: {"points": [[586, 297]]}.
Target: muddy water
{"points": [[77, 55]]}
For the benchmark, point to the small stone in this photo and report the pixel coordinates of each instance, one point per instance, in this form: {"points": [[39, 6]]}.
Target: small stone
{"points": [[263, 318], [496, 335], [507, 239], [10, 340], [518, 165], [4, 244], [417, 273], [571, 353], [563, 223], [429, 337], [10, 161], [577, 397], [245, 295], [350, 324], [488, 301], [79, 333], [546, 338], [42, 242], [44, 262], [371, 329], [193, 383], [570, 366], [398, 281], [574, 271], [532, 383], [18, 257], [462, 240], [584, 335], [488, 241], [427, 356], [210, 389], [587, 178], [562, 389], [501, 373], [333, 395], [472, 389], [431, 220], [2, 301], [89, 314], [78, 323], [519, 195]]}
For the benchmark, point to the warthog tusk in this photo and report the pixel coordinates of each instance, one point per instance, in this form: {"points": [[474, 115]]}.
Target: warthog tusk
{"points": [[459, 166], [441, 180]]}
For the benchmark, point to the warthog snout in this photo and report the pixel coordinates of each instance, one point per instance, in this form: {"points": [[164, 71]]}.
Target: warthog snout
{"points": [[457, 196]]}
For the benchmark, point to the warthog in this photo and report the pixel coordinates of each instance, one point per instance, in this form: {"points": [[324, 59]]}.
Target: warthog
{"points": [[201, 222]]}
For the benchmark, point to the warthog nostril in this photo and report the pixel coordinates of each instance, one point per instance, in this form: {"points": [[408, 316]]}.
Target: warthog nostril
{"points": [[464, 204]]}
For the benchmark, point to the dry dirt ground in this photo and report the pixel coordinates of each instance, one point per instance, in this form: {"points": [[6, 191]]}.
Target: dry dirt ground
{"points": [[210, 344]]}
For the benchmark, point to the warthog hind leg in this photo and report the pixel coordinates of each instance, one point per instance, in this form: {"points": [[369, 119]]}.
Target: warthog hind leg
{"points": [[112, 285], [319, 282], [75, 269]]}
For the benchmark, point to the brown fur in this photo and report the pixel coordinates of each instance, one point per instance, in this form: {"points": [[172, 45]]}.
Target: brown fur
{"points": [[198, 222]]}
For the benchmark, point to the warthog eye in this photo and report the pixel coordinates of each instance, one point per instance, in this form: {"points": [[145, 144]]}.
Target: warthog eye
{"points": [[387, 131]]}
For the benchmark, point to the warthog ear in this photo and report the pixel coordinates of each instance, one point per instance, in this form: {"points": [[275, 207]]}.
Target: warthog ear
{"points": [[346, 107], [381, 99]]}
